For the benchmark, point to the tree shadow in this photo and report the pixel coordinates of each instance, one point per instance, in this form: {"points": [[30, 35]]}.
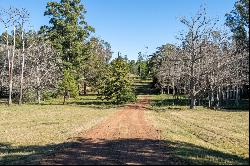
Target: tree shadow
{"points": [[82, 151], [227, 106], [170, 102], [89, 102]]}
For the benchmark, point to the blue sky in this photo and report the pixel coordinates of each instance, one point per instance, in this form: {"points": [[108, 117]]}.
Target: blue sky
{"points": [[132, 25]]}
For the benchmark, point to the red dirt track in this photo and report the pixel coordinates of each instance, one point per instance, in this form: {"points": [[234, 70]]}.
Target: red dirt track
{"points": [[124, 138]]}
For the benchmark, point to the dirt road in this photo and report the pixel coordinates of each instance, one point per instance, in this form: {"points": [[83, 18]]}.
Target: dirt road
{"points": [[124, 138]]}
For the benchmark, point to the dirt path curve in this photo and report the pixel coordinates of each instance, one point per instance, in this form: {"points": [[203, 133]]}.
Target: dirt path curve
{"points": [[124, 138]]}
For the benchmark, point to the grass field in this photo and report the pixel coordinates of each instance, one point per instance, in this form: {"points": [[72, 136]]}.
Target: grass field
{"points": [[27, 130], [200, 136], [204, 136]]}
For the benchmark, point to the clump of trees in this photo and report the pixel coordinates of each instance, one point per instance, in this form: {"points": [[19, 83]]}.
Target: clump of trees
{"points": [[140, 67], [60, 59], [14, 19], [29, 63], [209, 65]]}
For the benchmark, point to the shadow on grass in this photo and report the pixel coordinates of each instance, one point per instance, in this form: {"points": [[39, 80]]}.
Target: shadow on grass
{"points": [[228, 106], [3, 101], [145, 89], [85, 102], [90, 104], [122, 151], [95, 104], [170, 102]]}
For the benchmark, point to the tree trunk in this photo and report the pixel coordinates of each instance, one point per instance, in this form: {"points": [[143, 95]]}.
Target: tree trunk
{"points": [[168, 90], [22, 70], [173, 85], [192, 86], [64, 97], [228, 96], [162, 92], [237, 96], [38, 85], [228, 93], [223, 96], [192, 104], [84, 88], [212, 98], [218, 98], [11, 67], [2, 78], [209, 101], [38, 96]]}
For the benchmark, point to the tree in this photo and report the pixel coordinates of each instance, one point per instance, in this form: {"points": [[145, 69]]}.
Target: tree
{"points": [[23, 14], [142, 64], [67, 32], [11, 18], [44, 66], [199, 29], [95, 60], [238, 21], [69, 85], [162, 66], [117, 84]]}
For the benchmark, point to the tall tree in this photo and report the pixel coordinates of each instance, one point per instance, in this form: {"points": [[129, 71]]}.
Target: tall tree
{"points": [[68, 31], [10, 18], [23, 14], [199, 29], [96, 59], [238, 21]]}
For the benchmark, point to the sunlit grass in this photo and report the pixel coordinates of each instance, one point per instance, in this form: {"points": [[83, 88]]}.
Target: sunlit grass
{"points": [[39, 125], [225, 131]]}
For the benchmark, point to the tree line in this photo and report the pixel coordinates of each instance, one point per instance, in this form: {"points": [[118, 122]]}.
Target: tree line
{"points": [[64, 58], [61, 59], [211, 64]]}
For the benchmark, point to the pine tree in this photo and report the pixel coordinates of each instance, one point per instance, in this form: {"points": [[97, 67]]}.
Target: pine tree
{"points": [[117, 85], [67, 32]]}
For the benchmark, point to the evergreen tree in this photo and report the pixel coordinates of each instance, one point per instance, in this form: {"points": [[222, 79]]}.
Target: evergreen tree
{"points": [[117, 85], [67, 32], [238, 21]]}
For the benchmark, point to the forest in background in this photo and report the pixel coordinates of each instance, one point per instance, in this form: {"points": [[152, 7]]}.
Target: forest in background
{"points": [[63, 58]]}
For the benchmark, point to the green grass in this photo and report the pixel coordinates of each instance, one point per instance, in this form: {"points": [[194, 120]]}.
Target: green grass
{"points": [[203, 136], [88, 101], [25, 128], [200, 136], [165, 102]]}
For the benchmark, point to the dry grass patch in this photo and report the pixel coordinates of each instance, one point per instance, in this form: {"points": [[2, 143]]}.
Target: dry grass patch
{"points": [[206, 136], [23, 129]]}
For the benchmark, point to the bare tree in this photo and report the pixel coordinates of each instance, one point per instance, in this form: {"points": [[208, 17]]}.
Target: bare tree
{"points": [[23, 14], [10, 18], [194, 40], [43, 63]]}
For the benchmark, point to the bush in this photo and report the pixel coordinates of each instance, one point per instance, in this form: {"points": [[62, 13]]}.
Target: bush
{"points": [[47, 95], [29, 96], [127, 95]]}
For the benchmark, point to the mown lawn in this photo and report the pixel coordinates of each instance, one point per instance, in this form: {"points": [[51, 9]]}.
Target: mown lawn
{"points": [[88, 101], [28, 131], [203, 136]]}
